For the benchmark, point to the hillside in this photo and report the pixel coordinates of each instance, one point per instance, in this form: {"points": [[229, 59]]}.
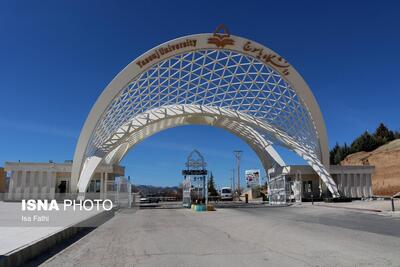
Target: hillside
{"points": [[156, 190], [386, 159]]}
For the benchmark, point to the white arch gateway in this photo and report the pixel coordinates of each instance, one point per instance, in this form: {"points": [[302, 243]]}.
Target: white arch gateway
{"points": [[211, 79]]}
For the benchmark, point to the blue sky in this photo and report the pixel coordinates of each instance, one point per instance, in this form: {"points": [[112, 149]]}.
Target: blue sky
{"points": [[56, 57]]}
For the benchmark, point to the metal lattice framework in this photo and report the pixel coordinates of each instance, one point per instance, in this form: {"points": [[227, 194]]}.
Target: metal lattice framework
{"points": [[229, 87]]}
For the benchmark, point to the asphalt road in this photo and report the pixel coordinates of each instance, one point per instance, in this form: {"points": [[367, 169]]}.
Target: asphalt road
{"points": [[286, 236]]}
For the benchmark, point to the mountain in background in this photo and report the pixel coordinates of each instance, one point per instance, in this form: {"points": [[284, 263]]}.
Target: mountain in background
{"points": [[161, 191]]}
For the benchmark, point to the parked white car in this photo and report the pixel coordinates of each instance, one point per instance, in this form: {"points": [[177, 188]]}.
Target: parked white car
{"points": [[226, 193]]}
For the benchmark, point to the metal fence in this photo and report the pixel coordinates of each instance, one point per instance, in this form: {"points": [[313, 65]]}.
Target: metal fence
{"points": [[120, 193], [277, 190]]}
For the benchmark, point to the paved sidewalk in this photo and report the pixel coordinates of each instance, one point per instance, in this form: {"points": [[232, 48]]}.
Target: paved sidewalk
{"points": [[371, 205]]}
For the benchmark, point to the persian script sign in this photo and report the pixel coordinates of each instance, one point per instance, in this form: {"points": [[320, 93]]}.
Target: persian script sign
{"points": [[268, 58], [164, 50]]}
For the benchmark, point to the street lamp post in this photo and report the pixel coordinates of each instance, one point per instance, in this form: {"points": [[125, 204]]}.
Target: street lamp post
{"points": [[238, 155], [233, 180]]}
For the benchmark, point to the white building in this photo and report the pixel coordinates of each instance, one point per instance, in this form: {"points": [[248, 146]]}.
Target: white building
{"points": [[352, 181], [52, 180], [48, 180]]}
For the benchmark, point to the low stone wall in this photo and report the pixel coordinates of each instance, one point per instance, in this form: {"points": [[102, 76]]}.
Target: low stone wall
{"points": [[30, 251]]}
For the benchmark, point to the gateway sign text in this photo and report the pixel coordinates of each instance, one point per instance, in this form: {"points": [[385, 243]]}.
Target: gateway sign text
{"points": [[164, 50]]}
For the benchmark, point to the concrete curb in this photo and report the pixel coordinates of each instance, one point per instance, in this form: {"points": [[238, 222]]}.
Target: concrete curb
{"points": [[348, 208], [251, 206], [23, 254]]}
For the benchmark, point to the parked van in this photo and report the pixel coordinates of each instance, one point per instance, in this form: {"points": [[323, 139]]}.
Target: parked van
{"points": [[226, 193]]}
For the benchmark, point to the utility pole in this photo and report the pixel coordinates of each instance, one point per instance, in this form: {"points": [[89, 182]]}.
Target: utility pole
{"points": [[238, 153], [233, 180]]}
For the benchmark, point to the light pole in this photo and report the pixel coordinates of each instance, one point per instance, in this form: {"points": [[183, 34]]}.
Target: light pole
{"points": [[233, 180], [238, 155]]}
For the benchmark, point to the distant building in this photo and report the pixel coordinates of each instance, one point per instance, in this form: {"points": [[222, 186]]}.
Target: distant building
{"points": [[47, 180], [352, 181]]}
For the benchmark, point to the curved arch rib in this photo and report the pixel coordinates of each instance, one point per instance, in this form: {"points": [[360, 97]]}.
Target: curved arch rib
{"points": [[157, 120], [261, 146]]}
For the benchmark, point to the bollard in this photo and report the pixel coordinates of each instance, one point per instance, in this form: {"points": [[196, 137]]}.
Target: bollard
{"points": [[392, 203], [246, 196], [312, 199]]}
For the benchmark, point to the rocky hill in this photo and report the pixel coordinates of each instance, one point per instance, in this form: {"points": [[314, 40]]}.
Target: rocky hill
{"points": [[386, 159]]}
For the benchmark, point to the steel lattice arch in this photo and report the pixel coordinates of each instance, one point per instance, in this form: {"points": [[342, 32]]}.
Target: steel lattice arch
{"points": [[208, 79]]}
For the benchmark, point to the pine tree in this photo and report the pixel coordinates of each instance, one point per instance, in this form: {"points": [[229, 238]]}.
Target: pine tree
{"points": [[383, 135], [211, 186], [365, 142], [346, 151], [332, 154], [338, 157]]}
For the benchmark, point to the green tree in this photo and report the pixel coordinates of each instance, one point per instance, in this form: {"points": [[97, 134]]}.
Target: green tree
{"points": [[211, 186], [332, 154], [346, 151], [365, 142], [383, 135], [338, 157], [339, 153]]}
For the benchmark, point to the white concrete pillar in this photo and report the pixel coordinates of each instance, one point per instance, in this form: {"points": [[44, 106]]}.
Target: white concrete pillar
{"points": [[301, 187], [339, 182], [51, 178], [364, 184], [366, 192], [369, 184], [12, 185], [353, 186], [48, 184], [345, 183], [350, 183], [28, 185], [101, 185], [23, 184], [18, 187], [357, 184], [35, 182], [43, 185], [320, 186], [106, 181]]}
